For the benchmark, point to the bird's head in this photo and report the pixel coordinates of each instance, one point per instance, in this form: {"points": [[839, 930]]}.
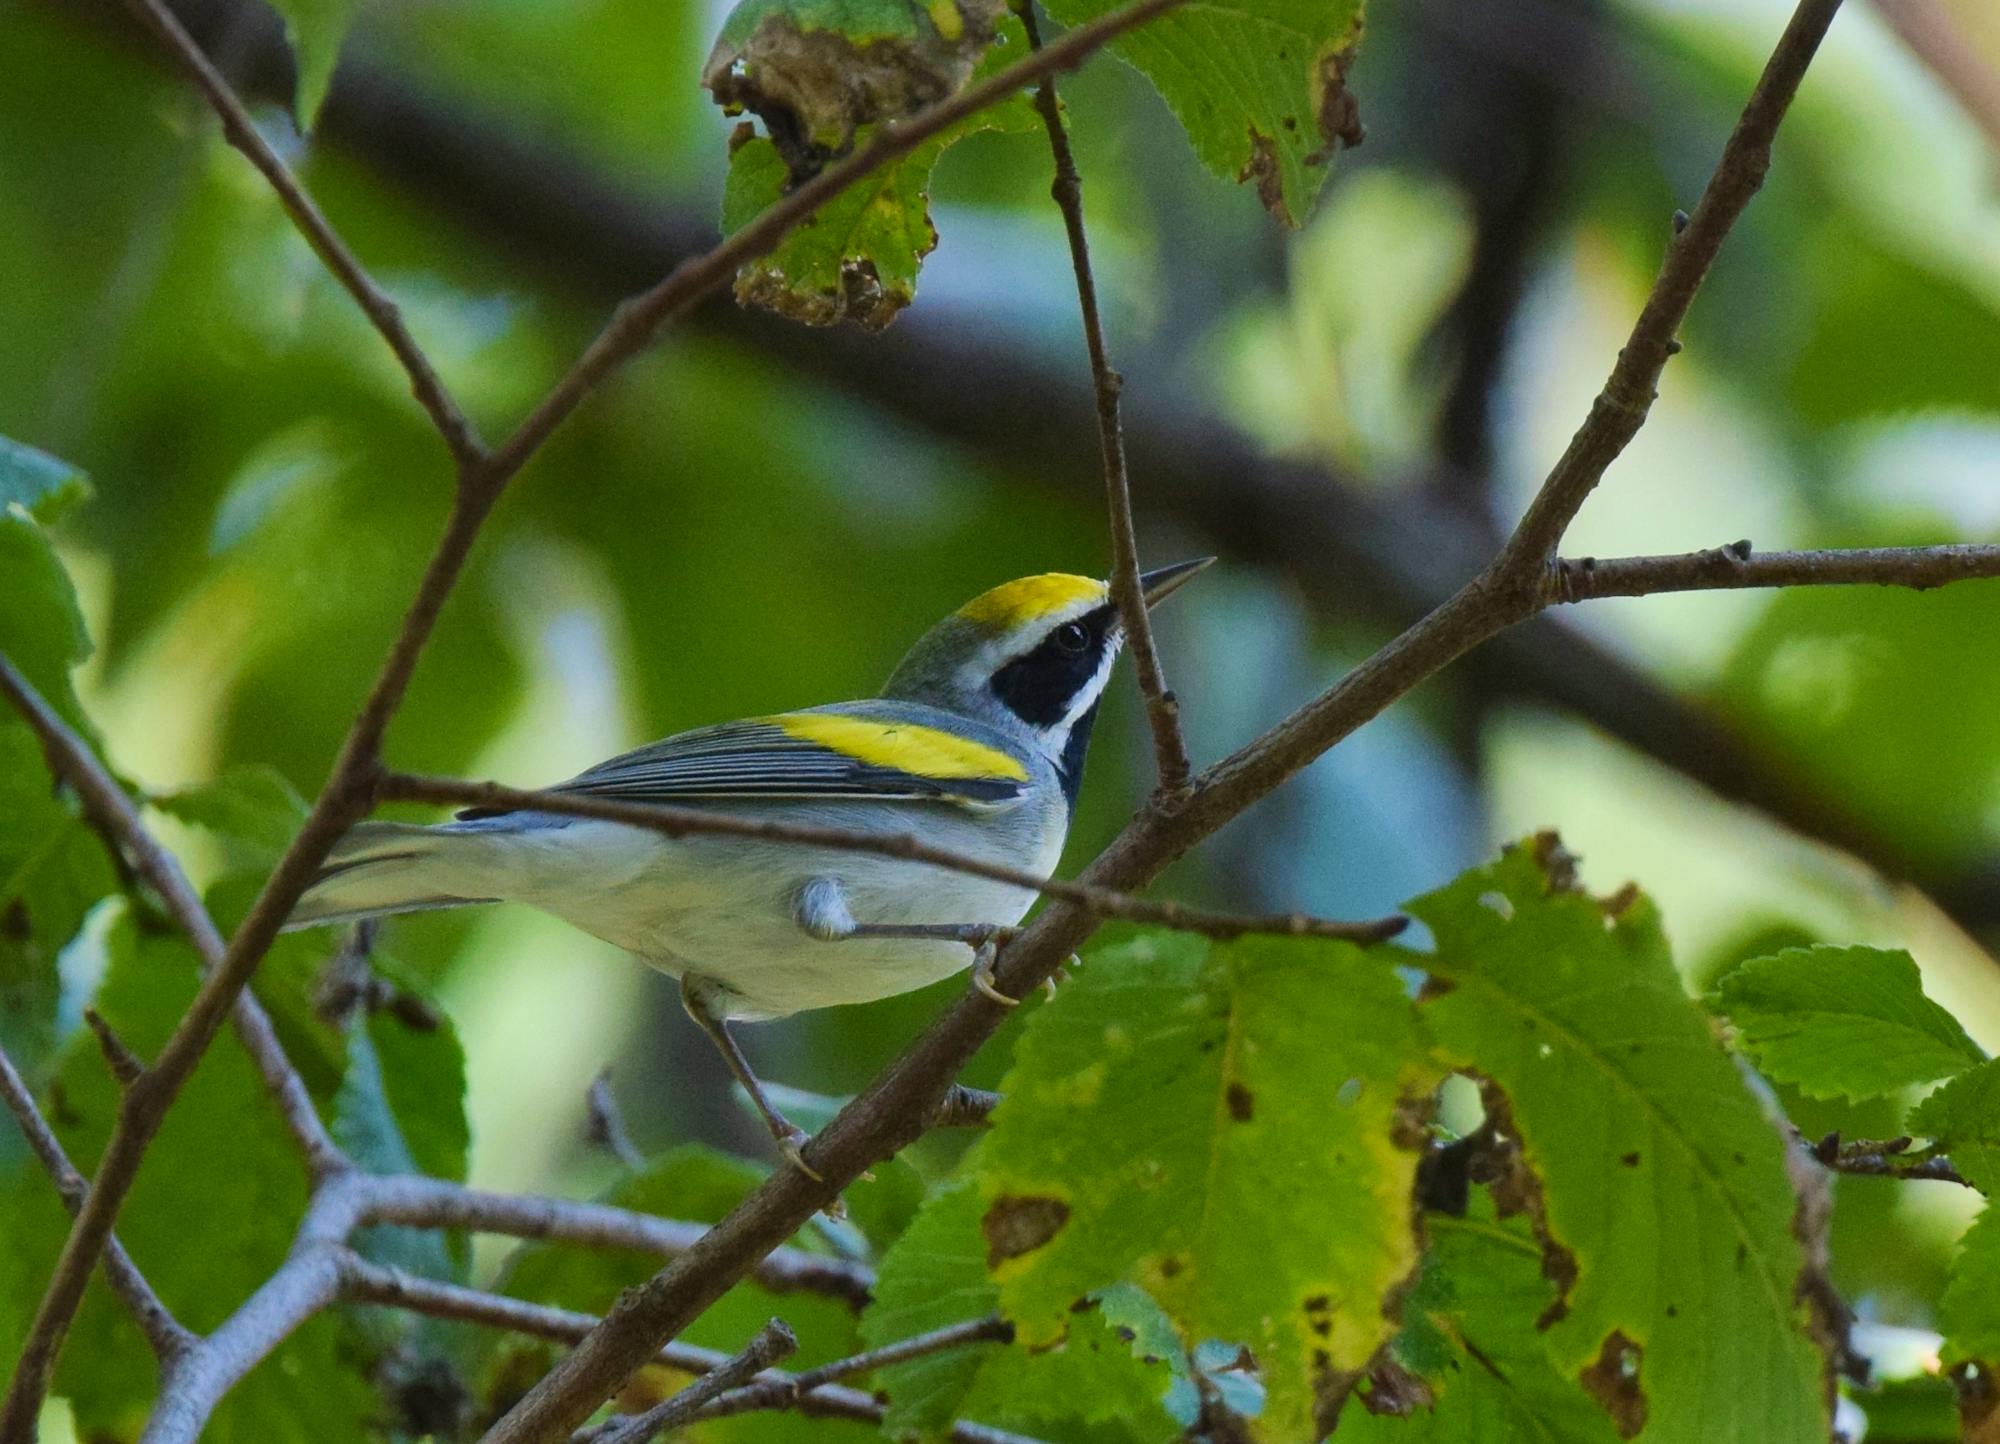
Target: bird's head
{"points": [[1030, 655]]}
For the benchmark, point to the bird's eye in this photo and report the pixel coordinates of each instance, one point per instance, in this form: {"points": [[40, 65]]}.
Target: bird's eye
{"points": [[1072, 637]]}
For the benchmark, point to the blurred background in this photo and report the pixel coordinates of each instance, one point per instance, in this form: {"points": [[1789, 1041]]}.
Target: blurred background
{"points": [[760, 517]]}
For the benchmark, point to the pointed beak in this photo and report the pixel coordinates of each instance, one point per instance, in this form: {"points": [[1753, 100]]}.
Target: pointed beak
{"points": [[1163, 582]]}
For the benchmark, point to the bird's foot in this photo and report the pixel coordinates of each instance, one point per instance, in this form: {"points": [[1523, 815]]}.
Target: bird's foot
{"points": [[983, 979]]}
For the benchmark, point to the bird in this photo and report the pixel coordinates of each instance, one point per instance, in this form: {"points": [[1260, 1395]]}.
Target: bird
{"points": [[975, 744]]}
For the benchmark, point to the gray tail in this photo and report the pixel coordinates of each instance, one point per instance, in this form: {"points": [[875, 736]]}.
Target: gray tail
{"points": [[380, 868]]}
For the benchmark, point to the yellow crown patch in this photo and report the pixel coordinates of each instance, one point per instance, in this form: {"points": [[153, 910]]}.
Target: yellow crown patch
{"points": [[1012, 603], [919, 751]]}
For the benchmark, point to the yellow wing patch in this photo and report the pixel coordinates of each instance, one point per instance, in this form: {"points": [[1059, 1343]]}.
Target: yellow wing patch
{"points": [[919, 751], [1012, 603]]}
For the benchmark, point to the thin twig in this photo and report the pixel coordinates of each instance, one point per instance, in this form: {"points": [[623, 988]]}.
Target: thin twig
{"points": [[1170, 752], [169, 1340], [773, 1342], [481, 478], [670, 821], [1881, 1158], [783, 1391], [241, 131], [415, 1201], [1737, 566], [123, 1062], [373, 1284], [1621, 408], [634, 323], [889, 1112]]}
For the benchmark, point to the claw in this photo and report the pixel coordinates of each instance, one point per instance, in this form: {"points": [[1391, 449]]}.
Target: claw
{"points": [[982, 976], [792, 1144]]}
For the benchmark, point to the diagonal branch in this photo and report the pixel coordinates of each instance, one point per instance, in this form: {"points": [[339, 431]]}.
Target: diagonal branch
{"points": [[241, 131], [671, 821], [481, 479], [163, 1331], [635, 322], [373, 1284], [1170, 754], [887, 1114], [782, 1391]]}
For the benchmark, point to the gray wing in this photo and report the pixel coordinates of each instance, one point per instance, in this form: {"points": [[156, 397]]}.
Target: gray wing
{"points": [[756, 760]]}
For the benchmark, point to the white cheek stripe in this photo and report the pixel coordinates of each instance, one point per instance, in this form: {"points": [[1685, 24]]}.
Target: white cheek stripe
{"points": [[1055, 738]]}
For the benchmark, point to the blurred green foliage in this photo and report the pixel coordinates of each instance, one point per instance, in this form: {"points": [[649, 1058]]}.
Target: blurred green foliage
{"points": [[725, 531]]}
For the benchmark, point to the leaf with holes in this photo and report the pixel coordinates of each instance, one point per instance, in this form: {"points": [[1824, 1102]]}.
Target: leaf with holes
{"points": [[1835, 1022], [1260, 86], [1470, 1366], [1662, 1183], [816, 71], [1108, 1369], [857, 257], [1215, 1123]]}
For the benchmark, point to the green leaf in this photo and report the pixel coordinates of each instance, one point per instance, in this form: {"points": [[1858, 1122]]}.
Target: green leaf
{"points": [[1214, 1123], [53, 867], [1259, 86], [1963, 1119], [316, 29], [936, 1276], [41, 625], [250, 806], [699, 1184], [857, 257], [42, 485], [819, 70], [1969, 1313], [1842, 1022], [210, 1217], [1664, 1188], [1472, 1336]]}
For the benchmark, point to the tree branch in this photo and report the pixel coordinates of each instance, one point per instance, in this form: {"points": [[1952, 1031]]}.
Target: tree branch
{"points": [[372, 1284], [670, 821], [241, 131], [890, 1111], [481, 478], [1621, 408], [634, 323], [1737, 566], [773, 1342], [169, 1340], [1170, 754], [415, 1201], [783, 1392]]}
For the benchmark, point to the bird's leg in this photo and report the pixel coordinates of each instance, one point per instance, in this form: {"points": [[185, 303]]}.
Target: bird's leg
{"points": [[821, 910], [697, 996]]}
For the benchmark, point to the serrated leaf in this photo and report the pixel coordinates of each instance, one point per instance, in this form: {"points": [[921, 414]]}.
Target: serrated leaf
{"points": [[1969, 1313], [690, 1182], [857, 257], [316, 29], [1471, 1336], [210, 1216], [251, 806], [1842, 1022], [936, 1276], [1661, 1176], [1963, 1119], [1214, 1123], [1259, 86], [44, 486]]}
